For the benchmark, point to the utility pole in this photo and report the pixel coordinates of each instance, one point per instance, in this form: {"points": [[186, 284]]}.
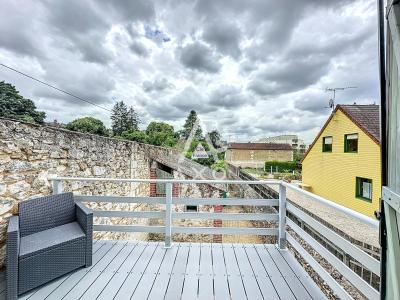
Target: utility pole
{"points": [[332, 100]]}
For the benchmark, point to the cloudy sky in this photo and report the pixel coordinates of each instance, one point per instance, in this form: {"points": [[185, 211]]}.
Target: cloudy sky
{"points": [[250, 68]]}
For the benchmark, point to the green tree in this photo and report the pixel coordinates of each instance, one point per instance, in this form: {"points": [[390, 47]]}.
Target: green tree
{"points": [[123, 118], [88, 125], [119, 118], [189, 124], [13, 105], [161, 134], [215, 138], [133, 119], [134, 135]]}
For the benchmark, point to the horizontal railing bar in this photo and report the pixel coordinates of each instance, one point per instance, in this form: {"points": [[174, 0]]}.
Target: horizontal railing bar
{"points": [[187, 201], [188, 230], [184, 181], [348, 273], [364, 258], [225, 230], [351, 213], [120, 199], [332, 283], [225, 216], [129, 228], [128, 214], [186, 215], [225, 201]]}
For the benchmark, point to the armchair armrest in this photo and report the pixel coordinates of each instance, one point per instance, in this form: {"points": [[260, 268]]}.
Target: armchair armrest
{"points": [[13, 242], [84, 217]]}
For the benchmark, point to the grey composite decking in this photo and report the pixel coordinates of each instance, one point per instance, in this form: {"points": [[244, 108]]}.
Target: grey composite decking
{"points": [[145, 270]]}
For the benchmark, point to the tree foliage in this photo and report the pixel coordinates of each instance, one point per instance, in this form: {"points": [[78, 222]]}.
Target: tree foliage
{"points": [[123, 118], [88, 125], [189, 124], [282, 166], [13, 105], [215, 138], [134, 135], [156, 133], [161, 134]]}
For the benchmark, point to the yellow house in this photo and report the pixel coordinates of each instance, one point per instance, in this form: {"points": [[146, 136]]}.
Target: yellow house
{"points": [[343, 163]]}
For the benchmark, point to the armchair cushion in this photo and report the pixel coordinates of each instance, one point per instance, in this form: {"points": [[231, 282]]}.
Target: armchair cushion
{"points": [[48, 239], [43, 213]]}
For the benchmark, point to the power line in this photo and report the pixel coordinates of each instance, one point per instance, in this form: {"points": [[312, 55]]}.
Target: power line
{"points": [[54, 87]]}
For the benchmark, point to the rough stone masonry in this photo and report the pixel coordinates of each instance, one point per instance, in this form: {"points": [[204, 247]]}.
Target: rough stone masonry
{"points": [[31, 153]]}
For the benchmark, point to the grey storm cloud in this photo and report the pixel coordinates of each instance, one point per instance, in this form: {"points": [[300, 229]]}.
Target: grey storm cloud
{"points": [[92, 85], [315, 102], [288, 76], [232, 61], [133, 10], [25, 37], [157, 85], [226, 36], [139, 49], [199, 56], [228, 97]]}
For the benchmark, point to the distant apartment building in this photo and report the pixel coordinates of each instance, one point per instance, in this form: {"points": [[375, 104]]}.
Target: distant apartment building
{"points": [[291, 139], [343, 163], [254, 155]]}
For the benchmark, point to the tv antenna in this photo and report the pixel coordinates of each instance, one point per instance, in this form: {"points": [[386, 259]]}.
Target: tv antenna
{"points": [[332, 100]]}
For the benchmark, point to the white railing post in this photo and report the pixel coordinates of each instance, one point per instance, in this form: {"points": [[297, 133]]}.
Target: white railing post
{"points": [[57, 186], [168, 214], [282, 217]]}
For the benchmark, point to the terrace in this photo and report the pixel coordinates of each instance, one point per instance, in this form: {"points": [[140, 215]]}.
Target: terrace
{"points": [[124, 269]]}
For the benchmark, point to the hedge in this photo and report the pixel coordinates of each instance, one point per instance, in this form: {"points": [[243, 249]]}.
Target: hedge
{"points": [[282, 165]]}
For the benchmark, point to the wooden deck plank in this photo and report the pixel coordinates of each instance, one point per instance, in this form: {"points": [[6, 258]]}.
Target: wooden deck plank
{"points": [[105, 276], [218, 259], [281, 286], [264, 281], [294, 283], [175, 285], [112, 287], [145, 270], [146, 282], [206, 283], [191, 280], [234, 277], [306, 280], [249, 280], [131, 281], [72, 280], [3, 285], [221, 285], [86, 281], [158, 290]]}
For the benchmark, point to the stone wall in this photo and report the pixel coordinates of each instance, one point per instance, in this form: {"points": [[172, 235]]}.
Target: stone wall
{"points": [[30, 154]]}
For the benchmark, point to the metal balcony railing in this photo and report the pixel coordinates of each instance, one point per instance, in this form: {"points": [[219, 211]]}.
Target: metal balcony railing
{"points": [[278, 217]]}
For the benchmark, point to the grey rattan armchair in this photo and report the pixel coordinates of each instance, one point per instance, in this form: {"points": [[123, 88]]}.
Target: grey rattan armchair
{"points": [[51, 236]]}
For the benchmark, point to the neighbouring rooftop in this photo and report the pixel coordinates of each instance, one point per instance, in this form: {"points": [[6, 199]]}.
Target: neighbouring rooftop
{"points": [[365, 116], [259, 146]]}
